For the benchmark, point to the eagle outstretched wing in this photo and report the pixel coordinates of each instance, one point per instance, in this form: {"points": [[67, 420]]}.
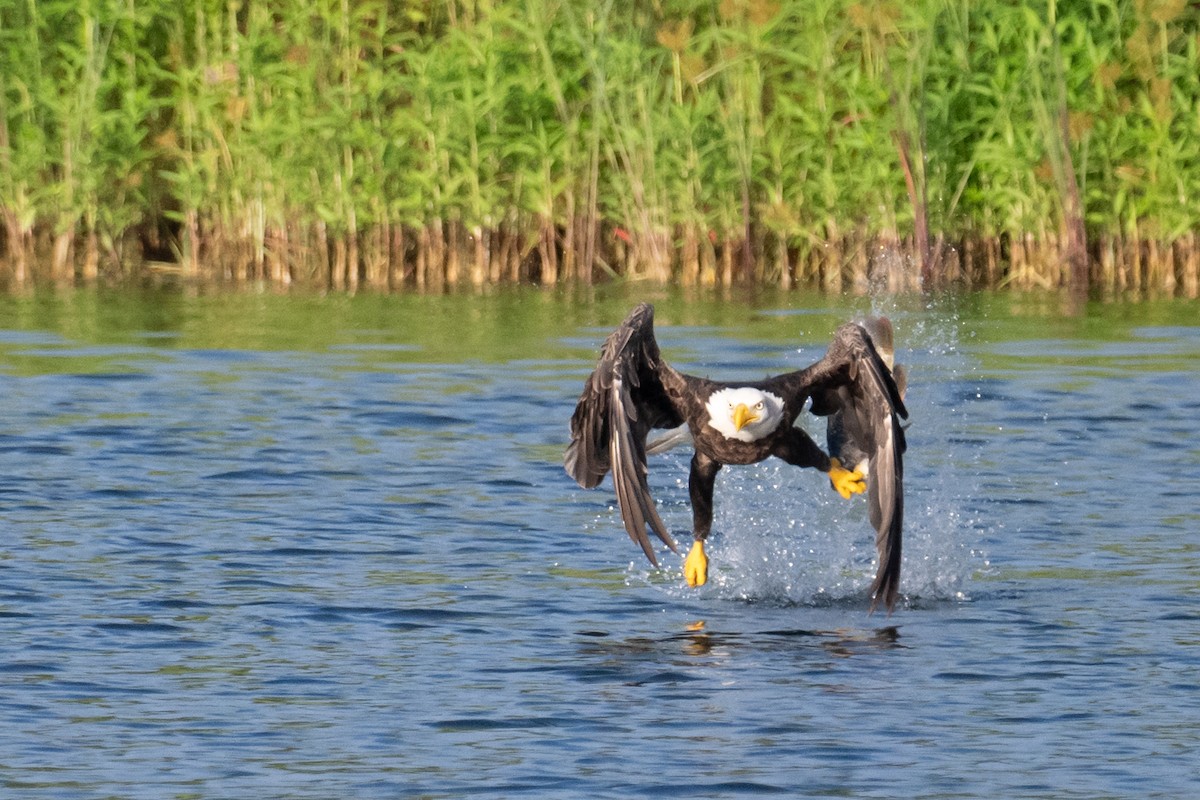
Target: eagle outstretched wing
{"points": [[630, 392], [854, 386]]}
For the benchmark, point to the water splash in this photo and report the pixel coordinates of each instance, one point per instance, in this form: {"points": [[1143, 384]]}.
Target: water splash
{"points": [[781, 535]]}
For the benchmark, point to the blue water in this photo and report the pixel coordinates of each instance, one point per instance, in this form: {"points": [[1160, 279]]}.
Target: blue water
{"points": [[357, 570]]}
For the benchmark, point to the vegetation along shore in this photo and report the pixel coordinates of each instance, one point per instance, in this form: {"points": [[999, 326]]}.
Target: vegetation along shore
{"points": [[412, 144]]}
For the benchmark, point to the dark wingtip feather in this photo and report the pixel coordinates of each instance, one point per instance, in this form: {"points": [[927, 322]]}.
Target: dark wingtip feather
{"points": [[886, 586], [622, 399], [874, 339]]}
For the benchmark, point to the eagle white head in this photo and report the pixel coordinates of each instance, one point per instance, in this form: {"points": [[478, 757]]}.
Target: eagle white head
{"points": [[744, 413]]}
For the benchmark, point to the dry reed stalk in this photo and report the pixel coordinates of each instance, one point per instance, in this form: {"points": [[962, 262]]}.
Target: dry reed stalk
{"points": [[707, 275], [215, 253], [1060, 260], [505, 261], [689, 256], [1174, 258], [1106, 262], [576, 268], [375, 259], [1036, 262], [547, 251], [530, 255], [191, 242], [456, 251], [402, 266], [820, 259], [353, 265], [1018, 265], [1120, 263], [1160, 263], [1152, 264], [338, 267], [1045, 256], [586, 245], [237, 268], [1046, 260], [422, 256], [725, 271], [568, 270], [321, 263], [523, 262], [296, 251], [259, 230], [906, 271], [63, 247], [500, 263], [435, 258], [754, 267], [652, 258], [523, 246], [783, 262], [992, 256], [449, 245], [949, 262], [1174, 268], [859, 261], [968, 259], [421, 265], [1133, 263], [17, 244], [476, 243], [975, 256], [804, 265], [398, 273], [1191, 265], [274, 243], [1034, 259], [571, 270], [1124, 269], [831, 280], [1169, 269], [218, 254]]}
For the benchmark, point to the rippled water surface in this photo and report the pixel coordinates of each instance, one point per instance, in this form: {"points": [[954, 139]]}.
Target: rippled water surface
{"points": [[313, 548]]}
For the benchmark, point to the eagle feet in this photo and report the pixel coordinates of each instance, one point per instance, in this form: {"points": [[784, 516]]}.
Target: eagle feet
{"points": [[695, 566], [844, 481]]}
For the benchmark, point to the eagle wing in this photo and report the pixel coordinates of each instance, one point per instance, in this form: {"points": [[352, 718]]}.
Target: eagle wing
{"points": [[630, 392], [854, 386]]}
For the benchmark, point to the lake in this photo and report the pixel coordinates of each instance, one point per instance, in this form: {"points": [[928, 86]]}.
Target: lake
{"points": [[314, 547]]}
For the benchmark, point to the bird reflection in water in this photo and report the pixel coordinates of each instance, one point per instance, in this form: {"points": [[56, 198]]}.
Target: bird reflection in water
{"points": [[642, 659], [842, 642]]}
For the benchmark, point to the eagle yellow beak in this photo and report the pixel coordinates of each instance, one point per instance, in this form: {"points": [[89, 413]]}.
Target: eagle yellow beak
{"points": [[743, 416]]}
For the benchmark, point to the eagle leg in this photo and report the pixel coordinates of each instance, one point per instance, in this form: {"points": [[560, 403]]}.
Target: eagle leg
{"points": [[798, 449], [701, 480]]}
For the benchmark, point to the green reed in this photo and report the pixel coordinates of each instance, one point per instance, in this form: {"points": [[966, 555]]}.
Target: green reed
{"points": [[391, 144]]}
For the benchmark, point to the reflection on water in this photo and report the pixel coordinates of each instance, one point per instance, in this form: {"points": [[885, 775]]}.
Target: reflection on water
{"points": [[697, 641], [313, 548]]}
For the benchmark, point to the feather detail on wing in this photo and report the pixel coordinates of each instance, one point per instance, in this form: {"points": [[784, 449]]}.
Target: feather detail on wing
{"points": [[676, 437], [865, 404], [623, 399]]}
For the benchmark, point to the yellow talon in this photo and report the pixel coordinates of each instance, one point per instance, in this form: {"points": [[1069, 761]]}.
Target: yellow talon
{"points": [[844, 481], [695, 567]]}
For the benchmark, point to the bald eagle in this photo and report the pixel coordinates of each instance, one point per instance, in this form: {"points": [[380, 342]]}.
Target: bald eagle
{"points": [[633, 390]]}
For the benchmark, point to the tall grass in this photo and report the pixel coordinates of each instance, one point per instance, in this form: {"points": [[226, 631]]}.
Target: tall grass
{"points": [[394, 144]]}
